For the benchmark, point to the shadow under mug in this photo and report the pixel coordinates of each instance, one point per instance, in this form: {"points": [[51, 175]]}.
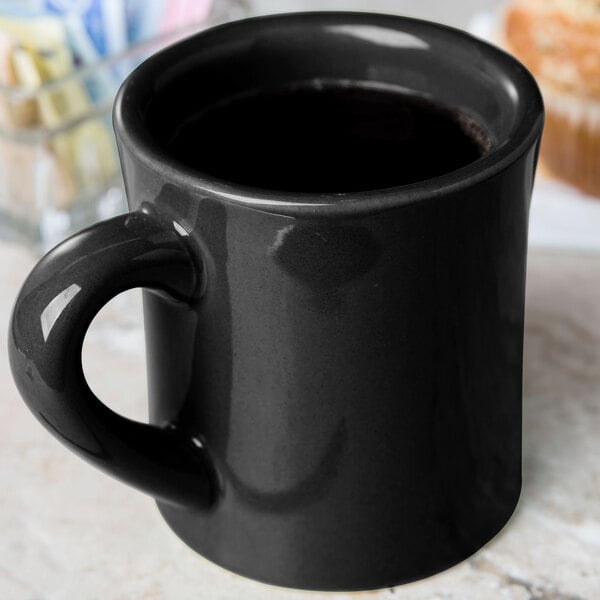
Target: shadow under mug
{"points": [[334, 379]]}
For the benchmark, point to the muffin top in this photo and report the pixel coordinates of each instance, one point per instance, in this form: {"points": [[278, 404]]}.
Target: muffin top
{"points": [[558, 41]]}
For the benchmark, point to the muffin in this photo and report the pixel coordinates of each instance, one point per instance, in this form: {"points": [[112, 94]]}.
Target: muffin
{"points": [[559, 41]]}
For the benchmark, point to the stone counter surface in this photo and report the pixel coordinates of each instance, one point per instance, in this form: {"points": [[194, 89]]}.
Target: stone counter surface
{"points": [[68, 532]]}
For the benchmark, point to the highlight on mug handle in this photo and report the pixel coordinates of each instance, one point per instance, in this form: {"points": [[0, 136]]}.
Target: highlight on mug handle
{"points": [[52, 313]]}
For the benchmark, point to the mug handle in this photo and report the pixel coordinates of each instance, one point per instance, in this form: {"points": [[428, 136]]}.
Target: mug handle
{"points": [[54, 309]]}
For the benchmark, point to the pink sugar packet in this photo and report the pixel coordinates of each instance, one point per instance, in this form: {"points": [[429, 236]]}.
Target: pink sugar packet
{"points": [[179, 13]]}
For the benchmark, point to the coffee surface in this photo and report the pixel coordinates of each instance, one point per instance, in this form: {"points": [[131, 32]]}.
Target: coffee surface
{"points": [[332, 138]]}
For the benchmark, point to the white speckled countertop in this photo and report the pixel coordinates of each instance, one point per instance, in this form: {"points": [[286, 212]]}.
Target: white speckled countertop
{"points": [[70, 532]]}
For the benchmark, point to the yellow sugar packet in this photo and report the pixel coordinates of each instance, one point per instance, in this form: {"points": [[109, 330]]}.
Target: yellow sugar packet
{"points": [[15, 112], [40, 55]]}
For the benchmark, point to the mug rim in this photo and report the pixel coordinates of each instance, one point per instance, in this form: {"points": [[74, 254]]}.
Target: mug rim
{"points": [[131, 131]]}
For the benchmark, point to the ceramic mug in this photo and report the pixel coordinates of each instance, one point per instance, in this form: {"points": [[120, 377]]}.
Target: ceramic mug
{"points": [[334, 380]]}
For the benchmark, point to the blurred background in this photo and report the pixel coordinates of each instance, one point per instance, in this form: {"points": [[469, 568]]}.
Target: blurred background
{"points": [[61, 62], [67, 531]]}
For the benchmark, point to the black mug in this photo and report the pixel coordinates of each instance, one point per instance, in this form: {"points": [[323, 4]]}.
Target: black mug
{"points": [[334, 377]]}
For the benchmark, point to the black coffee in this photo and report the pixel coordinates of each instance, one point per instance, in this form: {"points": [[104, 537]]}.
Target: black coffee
{"points": [[328, 139]]}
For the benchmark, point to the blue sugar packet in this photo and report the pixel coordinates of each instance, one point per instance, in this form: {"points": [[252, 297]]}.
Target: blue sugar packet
{"points": [[96, 29], [103, 22], [144, 19]]}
